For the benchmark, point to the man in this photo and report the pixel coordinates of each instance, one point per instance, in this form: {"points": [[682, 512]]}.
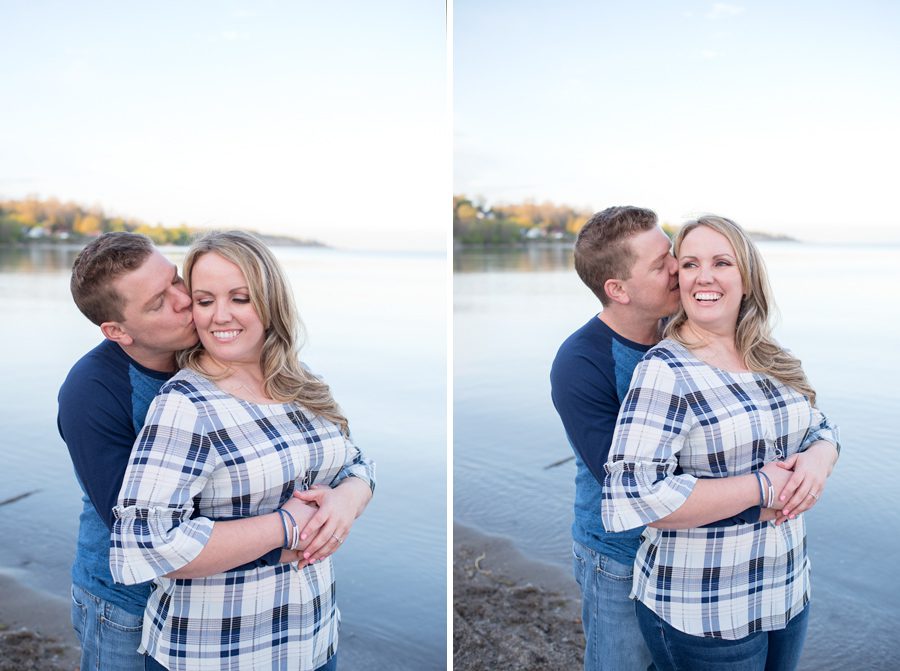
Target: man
{"points": [[135, 295], [624, 258]]}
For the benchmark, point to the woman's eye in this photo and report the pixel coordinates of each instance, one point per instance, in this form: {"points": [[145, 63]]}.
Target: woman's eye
{"points": [[203, 302]]}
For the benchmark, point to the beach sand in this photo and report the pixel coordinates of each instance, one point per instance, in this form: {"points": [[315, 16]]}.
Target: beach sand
{"points": [[35, 631], [509, 611]]}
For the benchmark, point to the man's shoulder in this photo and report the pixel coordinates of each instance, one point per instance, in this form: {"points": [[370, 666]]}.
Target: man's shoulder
{"points": [[584, 362], [102, 362], [598, 344], [591, 339]]}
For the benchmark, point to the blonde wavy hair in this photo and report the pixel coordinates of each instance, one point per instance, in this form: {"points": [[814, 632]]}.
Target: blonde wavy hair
{"points": [[753, 337], [285, 379]]}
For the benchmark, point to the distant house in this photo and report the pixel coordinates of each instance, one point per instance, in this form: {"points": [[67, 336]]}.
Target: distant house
{"points": [[36, 232]]}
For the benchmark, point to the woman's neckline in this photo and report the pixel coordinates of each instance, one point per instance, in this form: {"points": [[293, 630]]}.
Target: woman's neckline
{"points": [[231, 394], [744, 373]]}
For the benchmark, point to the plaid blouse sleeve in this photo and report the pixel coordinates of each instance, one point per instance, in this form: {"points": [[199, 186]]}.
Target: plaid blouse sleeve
{"points": [[641, 485], [356, 466], [153, 533], [820, 428]]}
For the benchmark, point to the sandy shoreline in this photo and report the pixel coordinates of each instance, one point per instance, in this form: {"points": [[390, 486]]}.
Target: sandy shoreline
{"points": [[35, 631], [509, 611]]}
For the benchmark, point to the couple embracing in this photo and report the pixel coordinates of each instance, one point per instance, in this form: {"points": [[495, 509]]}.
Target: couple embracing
{"points": [[214, 495], [699, 446]]}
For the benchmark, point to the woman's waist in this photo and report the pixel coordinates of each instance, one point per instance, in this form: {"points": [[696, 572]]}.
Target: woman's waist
{"points": [[260, 584], [699, 547]]}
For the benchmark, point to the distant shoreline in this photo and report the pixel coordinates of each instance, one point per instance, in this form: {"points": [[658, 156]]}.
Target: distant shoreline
{"points": [[53, 243], [756, 236]]}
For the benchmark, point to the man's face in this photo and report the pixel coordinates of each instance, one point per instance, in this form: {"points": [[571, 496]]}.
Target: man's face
{"points": [[157, 312], [653, 285]]}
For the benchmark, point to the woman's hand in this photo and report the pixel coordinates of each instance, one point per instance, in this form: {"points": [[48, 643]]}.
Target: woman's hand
{"points": [[338, 508], [811, 469], [290, 556]]}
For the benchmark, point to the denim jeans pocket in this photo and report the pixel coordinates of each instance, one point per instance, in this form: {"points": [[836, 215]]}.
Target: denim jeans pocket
{"points": [[614, 570], [79, 613], [578, 563], [121, 620], [578, 554]]}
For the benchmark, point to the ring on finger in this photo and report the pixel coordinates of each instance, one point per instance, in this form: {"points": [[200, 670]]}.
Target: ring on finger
{"points": [[341, 540], [814, 495]]}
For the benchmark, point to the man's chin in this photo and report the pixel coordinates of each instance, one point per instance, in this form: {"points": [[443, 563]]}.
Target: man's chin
{"points": [[190, 342]]}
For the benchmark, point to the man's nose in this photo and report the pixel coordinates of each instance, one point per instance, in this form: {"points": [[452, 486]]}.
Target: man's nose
{"points": [[180, 300]]}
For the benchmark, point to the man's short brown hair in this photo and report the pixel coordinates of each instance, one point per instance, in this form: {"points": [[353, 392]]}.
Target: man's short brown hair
{"points": [[100, 264], [602, 250]]}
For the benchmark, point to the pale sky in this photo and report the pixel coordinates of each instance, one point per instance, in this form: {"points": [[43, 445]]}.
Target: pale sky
{"points": [[314, 119], [784, 116]]}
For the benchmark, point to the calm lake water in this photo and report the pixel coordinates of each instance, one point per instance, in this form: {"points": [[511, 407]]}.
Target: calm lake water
{"points": [[839, 314], [376, 326]]}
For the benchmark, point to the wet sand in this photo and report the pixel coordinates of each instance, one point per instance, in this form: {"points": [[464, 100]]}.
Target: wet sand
{"points": [[509, 611], [35, 632]]}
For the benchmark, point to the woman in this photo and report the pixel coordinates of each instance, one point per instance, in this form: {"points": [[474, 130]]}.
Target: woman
{"points": [[719, 419], [209, 486]]}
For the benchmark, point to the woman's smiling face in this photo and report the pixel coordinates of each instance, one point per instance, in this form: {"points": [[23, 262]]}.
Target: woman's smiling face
{"points": [[226, 321], [710, 280]]}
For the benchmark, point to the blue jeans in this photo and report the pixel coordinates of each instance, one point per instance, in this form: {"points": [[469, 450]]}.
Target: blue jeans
{"points": [[763, 651], [330, 665], [109, 635], [612, 636]]}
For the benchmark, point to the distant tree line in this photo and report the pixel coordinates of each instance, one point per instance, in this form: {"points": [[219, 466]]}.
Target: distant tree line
{"points": [[476, 223], [34, 218]]}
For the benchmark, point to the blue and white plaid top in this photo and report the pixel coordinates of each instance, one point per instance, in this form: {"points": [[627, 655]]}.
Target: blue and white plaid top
{"points": [[204, 455], [682, 420]]}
